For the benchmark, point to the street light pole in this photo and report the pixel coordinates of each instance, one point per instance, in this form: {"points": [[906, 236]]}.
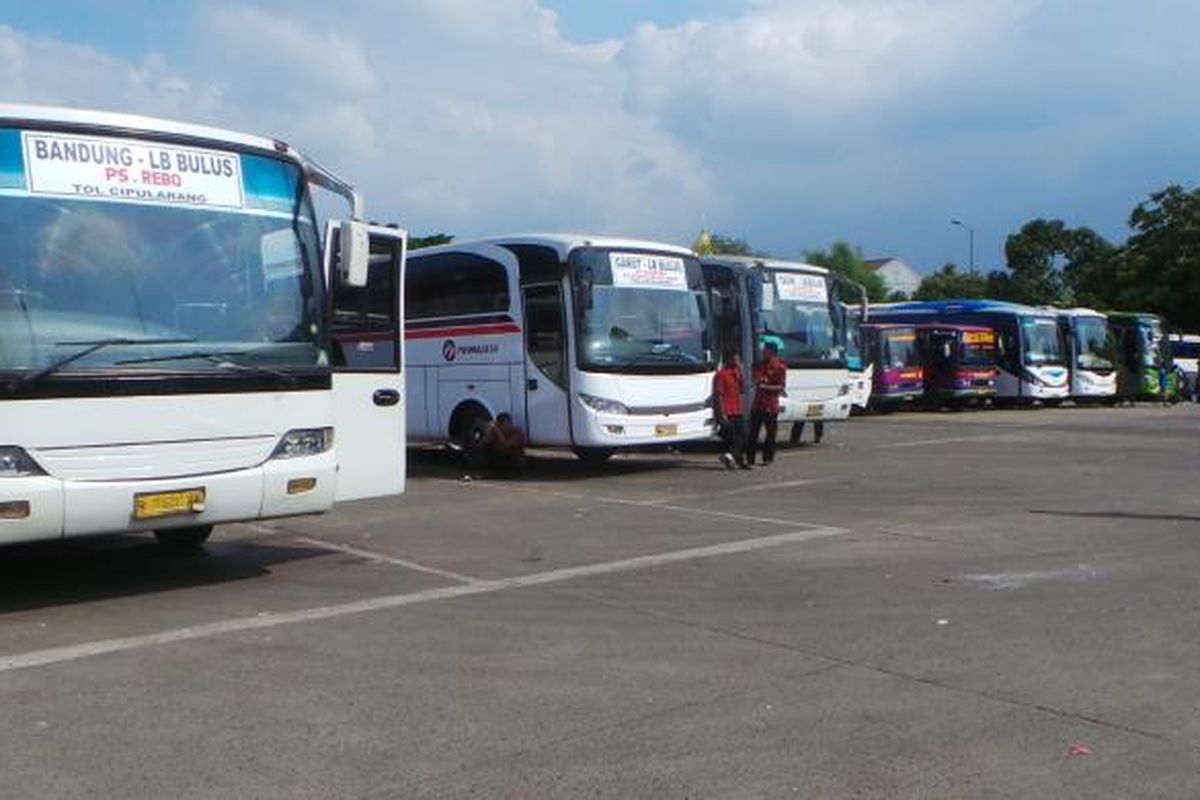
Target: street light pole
{"points": [[970, 239]]}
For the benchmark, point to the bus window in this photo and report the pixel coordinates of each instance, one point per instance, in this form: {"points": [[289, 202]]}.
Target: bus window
{"points": [[455, 284], [365, 318], [544, 331]]}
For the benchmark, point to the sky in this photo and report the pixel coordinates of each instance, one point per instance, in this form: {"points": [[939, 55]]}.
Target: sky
{"points": [[787, 123]]}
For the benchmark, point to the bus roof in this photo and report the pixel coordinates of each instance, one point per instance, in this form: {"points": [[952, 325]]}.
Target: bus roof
{"points": [[952, 326], [1079, 312], [940, 307], [120, 124], [750, 262], [1134, 316], [563, 243]]}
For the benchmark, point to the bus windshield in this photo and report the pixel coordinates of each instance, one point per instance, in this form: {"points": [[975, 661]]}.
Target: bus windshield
{"points": [[156, 283], [978, 349], [1041, 341], [1152, 343], [853, 343], [640, 311], [796, 315], [1092, 350], [899, 349]]}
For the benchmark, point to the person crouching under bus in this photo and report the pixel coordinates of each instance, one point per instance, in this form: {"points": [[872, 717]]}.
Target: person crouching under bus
{"points": [[502, 449], [727, 408], [770, 382]]}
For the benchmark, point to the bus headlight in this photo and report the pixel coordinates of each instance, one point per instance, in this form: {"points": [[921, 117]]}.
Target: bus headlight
{"points": [[16, 463], [602, 404], [304, 442]]}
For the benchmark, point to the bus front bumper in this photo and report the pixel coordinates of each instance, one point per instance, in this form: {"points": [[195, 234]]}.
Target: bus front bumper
{"points": [[827, 410], [43, 507], [601, 430]]}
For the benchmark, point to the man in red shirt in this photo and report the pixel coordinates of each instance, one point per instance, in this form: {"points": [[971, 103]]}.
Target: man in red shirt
{"points": [[727, 408], [770, 381]]}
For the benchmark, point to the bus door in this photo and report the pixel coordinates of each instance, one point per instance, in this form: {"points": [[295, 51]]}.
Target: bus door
{"points": [[367, 332], [547, 398]]}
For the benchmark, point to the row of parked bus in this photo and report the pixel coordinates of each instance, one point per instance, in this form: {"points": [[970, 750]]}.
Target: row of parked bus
{"points": [[974, 351], [183, 343]]}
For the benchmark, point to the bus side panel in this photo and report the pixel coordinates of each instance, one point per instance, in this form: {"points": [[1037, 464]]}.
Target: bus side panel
{"points": [[416, 414], [486, 385]]}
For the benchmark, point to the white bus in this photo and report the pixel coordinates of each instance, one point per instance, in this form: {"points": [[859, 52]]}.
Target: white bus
{"points": [[177, 349], [796, 306], [591, 343], [1091, 354]]}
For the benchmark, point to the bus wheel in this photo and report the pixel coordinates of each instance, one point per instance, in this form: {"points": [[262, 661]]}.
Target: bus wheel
{"points": [[593, 455], [184, 540], [469, 425]]}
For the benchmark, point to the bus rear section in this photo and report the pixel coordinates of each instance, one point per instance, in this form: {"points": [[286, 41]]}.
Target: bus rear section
{"points": [[959, 363], [594, 344], [898, 376], [165, 333]]}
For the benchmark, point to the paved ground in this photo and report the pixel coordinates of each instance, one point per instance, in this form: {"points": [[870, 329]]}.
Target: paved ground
{"points": [[923, 606]]}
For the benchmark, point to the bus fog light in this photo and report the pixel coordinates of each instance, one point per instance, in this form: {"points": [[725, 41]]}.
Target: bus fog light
{"points": [[301, 485], [616, 430], [14, 509], [16, 463], [304, 442]]}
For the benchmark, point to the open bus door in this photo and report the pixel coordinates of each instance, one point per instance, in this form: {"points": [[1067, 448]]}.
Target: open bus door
{"points": [[364, 265]]}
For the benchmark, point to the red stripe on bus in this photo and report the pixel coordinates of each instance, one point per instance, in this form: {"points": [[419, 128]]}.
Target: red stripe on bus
{"points": [[469, 330]]}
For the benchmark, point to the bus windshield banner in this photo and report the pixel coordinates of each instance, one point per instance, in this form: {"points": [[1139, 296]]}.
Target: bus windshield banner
{"points": [[798, 288], [131, 170], [643, 271]]}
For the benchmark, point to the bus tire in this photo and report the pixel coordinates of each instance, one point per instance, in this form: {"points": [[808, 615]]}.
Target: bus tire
{"points": [[468, 425], [184, 540], [593, 455]]}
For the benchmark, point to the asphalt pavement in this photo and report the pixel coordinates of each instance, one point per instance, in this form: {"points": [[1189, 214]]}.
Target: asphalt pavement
{"points": [[978, 604]]}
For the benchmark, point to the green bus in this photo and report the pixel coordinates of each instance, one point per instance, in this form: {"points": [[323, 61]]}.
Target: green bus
{"points": [[1143, 357]]}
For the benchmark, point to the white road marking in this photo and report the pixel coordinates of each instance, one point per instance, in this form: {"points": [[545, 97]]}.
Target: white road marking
{"points": [[384, 559], [1018, 580], [957, 440], [58, 655]]}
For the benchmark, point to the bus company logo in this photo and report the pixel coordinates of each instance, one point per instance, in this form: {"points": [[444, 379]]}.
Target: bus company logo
{"points": [[451, 350]]}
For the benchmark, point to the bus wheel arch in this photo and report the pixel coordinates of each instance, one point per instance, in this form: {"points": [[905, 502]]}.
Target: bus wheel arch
{"points": [[469, 424]]}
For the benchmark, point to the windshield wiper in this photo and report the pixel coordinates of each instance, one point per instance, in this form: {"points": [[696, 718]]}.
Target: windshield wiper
{"points": [[89, 347], [221, 359]]}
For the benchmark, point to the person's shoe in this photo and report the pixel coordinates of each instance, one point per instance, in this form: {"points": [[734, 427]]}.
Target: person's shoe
{"points": [[727, 460], [744, 465]]}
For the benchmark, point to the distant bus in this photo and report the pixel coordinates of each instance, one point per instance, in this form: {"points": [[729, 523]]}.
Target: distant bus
{"points": [[595, 344], [892, 350], [798, 308], [959, 363], [1185, 351], [1032, 355], [1144, 364], [1090, 354]]}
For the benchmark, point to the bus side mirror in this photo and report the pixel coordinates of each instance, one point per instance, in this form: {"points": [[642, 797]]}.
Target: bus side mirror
{"points": [[355, 246]]}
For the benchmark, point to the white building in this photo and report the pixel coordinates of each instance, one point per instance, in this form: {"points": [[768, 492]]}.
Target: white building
{"points": [[898, 276]]}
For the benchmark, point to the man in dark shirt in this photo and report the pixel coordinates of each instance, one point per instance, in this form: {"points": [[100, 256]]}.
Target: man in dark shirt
{"points": [[770, 381], [502, 448]]}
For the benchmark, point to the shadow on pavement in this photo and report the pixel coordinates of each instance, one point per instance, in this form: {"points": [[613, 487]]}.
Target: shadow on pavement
{"points": [[1119, 515], [550, 465], [105, 567]]}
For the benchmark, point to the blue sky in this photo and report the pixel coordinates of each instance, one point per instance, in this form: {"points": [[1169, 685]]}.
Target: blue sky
{"points": [[790, 123]]}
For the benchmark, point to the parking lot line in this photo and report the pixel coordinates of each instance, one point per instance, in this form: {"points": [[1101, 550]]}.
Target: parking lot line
{"points": [[57, 655], [995, 437], [370, 555]]}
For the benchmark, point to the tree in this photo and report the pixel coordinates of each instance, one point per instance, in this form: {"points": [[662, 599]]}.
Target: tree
{"points": [[715, 244], [1092, 271], [844, 260], [432, 240], [1034, 257], [1159, 268], [949, 284]]}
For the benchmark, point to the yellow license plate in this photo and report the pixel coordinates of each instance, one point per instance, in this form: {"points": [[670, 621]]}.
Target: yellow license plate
{"points": [[151, 505], [814, 410], [666, 430]]}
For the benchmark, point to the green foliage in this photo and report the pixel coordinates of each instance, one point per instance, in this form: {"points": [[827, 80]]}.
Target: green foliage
{"points": [[844, 260], [1159, 270], [1034, 255], [432, 240], [715, 244], [950, 284]]}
